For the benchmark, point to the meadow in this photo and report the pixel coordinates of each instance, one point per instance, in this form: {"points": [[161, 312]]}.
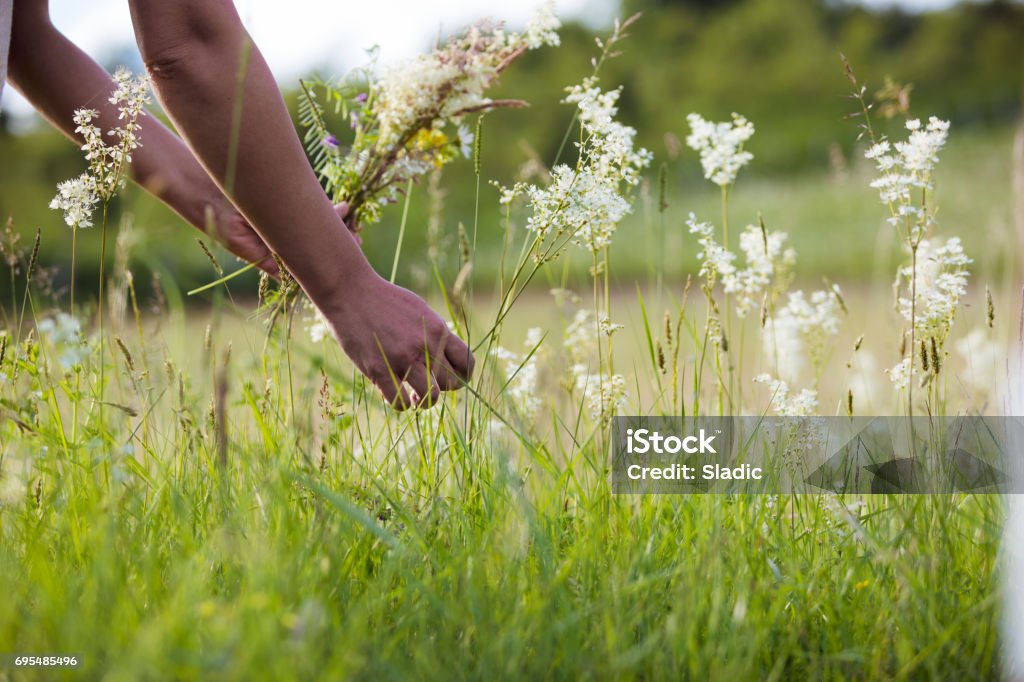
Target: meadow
{"points": [[191, 493]]}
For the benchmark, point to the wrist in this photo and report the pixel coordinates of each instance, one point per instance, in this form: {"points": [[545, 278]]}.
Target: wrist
{"points": [[348, 289]]}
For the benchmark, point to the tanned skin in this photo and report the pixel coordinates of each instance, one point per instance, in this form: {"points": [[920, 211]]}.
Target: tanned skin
{"points": [[201, 60]]}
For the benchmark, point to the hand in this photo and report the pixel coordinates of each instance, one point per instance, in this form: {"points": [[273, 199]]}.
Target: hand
{"points": [[225, 224], [399, 343]]}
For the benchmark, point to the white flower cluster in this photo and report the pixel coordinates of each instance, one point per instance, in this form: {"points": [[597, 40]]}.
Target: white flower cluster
{"points": [[716, 260], [317, 326], [902, 373], [131, 96], [608, 327], [78, 197], [720, 146], [605, 394], [521, 372], [542, 29], [609, 145], [585, 202], [800, 405], [941, 280], [65, 333], [579, 336], [764, 254], [906, 166], [451, 80], [579, 203], [802, 330]]}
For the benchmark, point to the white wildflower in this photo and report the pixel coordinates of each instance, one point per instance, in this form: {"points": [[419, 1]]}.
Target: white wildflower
{"points": [[586, 202], [605, 395], [608, 327], [318, 328], [521, 372], [802, 329], [581, 203], [542, 29], [908, 165], [716, 260], [765, 258], [65, 333], [720, 146], [77, 198], [802, 404], [451, 80], [130, 96], [579, 337], [610, 146], [941, 281], [901, 374], [465, 137]]}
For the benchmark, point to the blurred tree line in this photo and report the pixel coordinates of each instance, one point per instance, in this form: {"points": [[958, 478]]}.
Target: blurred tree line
{"points": [[775, 61]]}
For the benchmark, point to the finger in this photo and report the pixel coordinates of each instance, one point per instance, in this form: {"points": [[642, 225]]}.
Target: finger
{"points": [[342, 210], [437, 364], [395, 392], [249, 247], [425, 391], [459, 357], [268, 265], [445, 376]]}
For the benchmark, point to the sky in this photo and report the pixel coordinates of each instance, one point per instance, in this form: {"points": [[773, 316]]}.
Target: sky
{"points": [[297, 36]]}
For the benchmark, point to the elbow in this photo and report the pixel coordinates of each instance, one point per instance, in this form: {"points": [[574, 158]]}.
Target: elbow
{"points": [[176, 44], [171, 61]]}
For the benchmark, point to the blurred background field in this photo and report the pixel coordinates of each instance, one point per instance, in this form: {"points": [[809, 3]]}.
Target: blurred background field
{"points": [[775, 61]]}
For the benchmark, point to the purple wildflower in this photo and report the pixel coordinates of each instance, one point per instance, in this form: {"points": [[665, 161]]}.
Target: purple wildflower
{"points": [[330, 141]]}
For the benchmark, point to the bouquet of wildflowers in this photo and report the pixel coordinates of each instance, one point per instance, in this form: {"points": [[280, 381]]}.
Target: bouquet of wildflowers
{"points": [[408, 120]]}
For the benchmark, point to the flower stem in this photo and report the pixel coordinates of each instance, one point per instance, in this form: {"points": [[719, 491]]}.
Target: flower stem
{"points": [[401, 230], [74, 250], [99, 309]]}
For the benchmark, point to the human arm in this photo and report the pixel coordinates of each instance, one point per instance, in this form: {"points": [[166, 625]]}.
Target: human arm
{"points": [[219, 91], [58, 78]]}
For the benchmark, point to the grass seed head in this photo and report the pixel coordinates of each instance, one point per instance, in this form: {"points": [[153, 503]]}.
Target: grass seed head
{"points": [[127, 355], [990, 308], [34, 258], [210, 257]]}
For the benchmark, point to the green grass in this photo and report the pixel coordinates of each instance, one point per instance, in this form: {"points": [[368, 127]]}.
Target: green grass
{"points": [[344, 541]]}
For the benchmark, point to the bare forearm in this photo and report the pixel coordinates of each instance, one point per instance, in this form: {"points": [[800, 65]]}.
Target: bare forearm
{"points": [[59, 78], [216, 87]]}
